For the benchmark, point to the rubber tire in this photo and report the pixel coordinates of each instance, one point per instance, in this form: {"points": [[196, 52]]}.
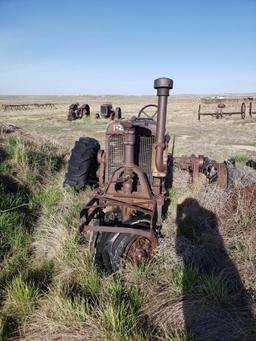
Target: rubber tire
{"points": [[110, 247], [82, 164], [118, 113], [232, 172]]}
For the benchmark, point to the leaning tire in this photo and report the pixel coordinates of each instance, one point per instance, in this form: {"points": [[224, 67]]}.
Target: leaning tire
{"points": [[82, 164]]}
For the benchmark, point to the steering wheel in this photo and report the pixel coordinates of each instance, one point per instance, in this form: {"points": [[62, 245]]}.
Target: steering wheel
{"points": [[143, 112]]}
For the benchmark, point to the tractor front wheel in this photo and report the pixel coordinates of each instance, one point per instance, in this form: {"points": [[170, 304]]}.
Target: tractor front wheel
{"points": [[112, 249]]}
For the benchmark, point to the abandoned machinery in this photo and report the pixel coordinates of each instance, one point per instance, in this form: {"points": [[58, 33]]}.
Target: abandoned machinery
{"points": [[221, 173], [124, 214], [223, 109], [251, 163], [106, 111], [12, 107], [75, 112]]}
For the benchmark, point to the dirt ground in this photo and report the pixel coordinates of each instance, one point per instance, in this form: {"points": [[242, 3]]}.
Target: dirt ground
{"points": [[219, 139]]}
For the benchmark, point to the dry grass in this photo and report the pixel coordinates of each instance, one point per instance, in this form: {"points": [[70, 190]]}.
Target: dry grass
{"points": [[216, 138], [200, 285]]}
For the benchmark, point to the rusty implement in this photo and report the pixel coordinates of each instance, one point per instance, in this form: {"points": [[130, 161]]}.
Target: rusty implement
{"points": [[221, 173], [221, 111], [251, 109], [31, 106]]}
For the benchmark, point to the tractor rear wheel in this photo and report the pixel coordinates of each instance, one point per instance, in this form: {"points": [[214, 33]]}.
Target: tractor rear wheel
{"points": [[82, 165], [118, 113], [112, 249]]}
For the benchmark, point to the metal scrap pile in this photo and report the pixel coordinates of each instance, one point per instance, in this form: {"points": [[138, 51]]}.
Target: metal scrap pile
{"points": [[222, 173]]}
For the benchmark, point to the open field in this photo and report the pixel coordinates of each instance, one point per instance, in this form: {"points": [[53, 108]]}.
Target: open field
{"points": [[201, 284], [216, 138]]}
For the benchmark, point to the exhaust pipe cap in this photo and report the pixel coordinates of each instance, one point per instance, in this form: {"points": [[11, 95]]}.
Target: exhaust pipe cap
{"points": [[163, 83]]}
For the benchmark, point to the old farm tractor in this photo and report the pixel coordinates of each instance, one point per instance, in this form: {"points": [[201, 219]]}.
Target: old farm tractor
{"points": [[127, 207], [124, 214]]}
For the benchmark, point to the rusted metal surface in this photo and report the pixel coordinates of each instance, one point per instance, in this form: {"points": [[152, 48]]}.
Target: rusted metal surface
{"points": [[117, 229], [31, 106], [77, 112], [107, 111], [214, 171], [129, 187], [221, 111], [140, 248], [251, 110]]}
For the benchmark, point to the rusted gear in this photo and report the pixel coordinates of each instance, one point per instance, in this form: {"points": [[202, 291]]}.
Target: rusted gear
{"points": [[140, 248]]}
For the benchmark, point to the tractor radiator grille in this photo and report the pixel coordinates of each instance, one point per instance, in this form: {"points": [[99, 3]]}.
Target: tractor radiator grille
{"points": [[142, 157], [116, 153], [145, 155]]}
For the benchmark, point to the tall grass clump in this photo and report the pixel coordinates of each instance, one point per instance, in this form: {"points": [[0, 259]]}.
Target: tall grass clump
{"points": [[27, 191], [216, 290], [21, 297], [183, 279], [34, 162], [118, 311], [239, 157]]}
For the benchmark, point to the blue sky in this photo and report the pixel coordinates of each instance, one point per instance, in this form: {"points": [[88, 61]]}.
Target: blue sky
{"points": [[120, 47]]}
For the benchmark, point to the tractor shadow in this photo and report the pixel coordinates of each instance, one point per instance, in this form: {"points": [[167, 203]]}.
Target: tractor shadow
{"points": [[216, 306]]}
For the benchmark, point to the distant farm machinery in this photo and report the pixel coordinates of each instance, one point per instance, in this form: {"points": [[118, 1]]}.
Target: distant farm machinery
{"points": [[106, 111], [75, 112], [215, 107], [30, 106]]}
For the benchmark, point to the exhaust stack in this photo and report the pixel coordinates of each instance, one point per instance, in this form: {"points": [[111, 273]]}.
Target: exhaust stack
{"points": [[163, 85]]}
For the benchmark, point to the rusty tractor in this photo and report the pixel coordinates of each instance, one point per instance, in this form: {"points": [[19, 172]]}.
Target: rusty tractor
{"points": [[75, 112], [124, 214], [106, 111]]}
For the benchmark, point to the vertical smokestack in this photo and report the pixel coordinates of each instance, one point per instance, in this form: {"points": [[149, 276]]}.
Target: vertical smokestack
{"points": [[163, 85]]}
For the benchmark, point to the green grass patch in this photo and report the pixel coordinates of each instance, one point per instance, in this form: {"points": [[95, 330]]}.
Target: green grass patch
{"points": [[183, 279], [21, 297], [216, 290], [239, 157]]}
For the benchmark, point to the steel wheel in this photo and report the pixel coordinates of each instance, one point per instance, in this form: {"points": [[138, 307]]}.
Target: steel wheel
{"points": [[243, 108]]}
